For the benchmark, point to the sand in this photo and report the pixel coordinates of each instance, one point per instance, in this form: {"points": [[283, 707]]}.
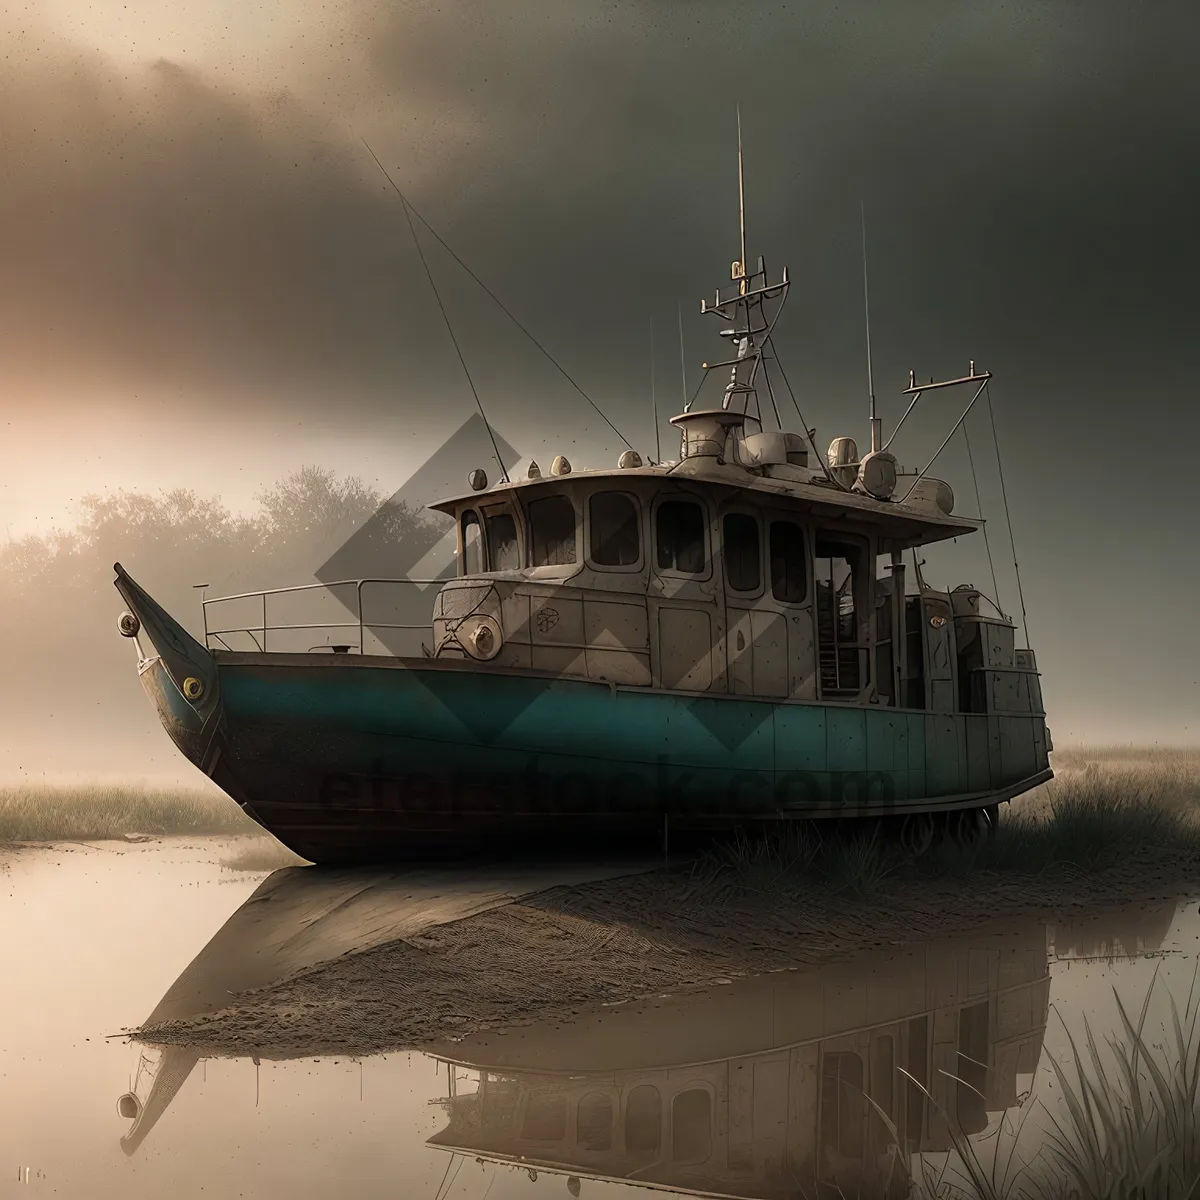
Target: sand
{"points": [[569, 949]]}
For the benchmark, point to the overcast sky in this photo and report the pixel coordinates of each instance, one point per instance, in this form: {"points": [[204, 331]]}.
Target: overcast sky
{"points": [[205, 280]]}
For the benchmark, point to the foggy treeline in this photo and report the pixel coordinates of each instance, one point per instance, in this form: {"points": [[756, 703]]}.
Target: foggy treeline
{"points": [[69, 695]]}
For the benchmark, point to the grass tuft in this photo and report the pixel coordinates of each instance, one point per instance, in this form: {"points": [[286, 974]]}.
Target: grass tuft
{"points": [[101, 811], [1094, 814], [1126, 1125]]}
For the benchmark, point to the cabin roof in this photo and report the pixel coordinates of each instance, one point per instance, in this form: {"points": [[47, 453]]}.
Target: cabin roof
{"points": [[916, 523]]}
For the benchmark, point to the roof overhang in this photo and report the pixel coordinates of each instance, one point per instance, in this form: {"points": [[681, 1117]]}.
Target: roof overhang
{"points": [[899, 525]]}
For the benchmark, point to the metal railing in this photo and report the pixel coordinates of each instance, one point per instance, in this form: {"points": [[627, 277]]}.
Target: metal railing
{"points": [[258, 631]]}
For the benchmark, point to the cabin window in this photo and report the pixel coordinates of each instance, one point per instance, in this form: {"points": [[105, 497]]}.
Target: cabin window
{"points": [[973, 1027], [643, 1120], [883, 1074], [918, 1077], [615, 530], [594, 1122], [545, 1119], [552, 531], [472, 544], [691, 1126], [679, 532], [842, 1104], [789, 562], [503, 554], [743, 554]]}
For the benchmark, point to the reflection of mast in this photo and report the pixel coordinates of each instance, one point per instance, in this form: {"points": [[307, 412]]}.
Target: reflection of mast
{"points": [[757, 1088]]}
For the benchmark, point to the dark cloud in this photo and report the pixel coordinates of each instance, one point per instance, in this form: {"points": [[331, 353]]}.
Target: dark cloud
{"points": [[1028, 170]]}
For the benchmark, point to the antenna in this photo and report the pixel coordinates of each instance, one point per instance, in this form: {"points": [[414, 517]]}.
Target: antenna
{"points": [[654, 399], [741, 202], [876, 425], [682, 360]]}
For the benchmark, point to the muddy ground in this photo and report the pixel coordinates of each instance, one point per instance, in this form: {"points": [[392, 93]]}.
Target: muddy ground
{"points": [[570, 949]]}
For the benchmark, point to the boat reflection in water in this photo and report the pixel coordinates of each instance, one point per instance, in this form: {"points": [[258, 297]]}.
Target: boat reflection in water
{"points": [[770, 1083], [301, 917], [753, 1088]]}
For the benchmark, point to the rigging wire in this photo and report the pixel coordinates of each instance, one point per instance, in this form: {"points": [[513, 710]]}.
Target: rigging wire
{"points": [[770, 392], [504, 308], [445, 316], [456, 1161], [445, 1175], [979, 509], [688, 406], [808, 433], [1007, 514]]}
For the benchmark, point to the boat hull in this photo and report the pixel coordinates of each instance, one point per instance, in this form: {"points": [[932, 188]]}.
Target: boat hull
{"points": [[352, 758]]}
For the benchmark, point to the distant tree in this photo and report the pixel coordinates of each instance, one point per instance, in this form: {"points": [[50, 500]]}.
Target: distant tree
{"points": [[312, 504], [67, 674], [175, 539], [312, 515]]}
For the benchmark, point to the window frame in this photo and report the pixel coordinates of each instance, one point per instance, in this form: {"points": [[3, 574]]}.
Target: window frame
{"points": [[809, 533], [863, 612], [639, 509], [663, 1111], [527, 507], [503, 510], [614, 1123], [696, 1085], [464, 515], [757, 516], [706, 511]]}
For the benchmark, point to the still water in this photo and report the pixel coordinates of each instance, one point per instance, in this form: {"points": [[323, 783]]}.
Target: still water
{"points": [[720, 1092]]}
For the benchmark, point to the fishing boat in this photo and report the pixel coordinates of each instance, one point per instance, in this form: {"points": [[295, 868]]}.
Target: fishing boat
{"points": [[729, 637]]}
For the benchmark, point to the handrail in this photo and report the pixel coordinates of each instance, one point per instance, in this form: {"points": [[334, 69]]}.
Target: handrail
{"points": [[264, 627], [308, 587]]}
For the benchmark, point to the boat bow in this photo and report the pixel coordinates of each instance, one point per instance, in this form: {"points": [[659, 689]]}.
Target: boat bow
{"points": [[180, 676]]}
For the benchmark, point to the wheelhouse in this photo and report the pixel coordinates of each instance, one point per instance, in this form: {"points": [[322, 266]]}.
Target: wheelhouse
{"points": [[717, 580]]}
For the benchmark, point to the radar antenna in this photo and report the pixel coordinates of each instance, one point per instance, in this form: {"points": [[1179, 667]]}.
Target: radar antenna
{"points": [[876, 425], [751, 313]]}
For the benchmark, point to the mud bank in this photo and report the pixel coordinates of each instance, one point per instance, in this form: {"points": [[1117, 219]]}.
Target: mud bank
{"points": [[571, 949]]}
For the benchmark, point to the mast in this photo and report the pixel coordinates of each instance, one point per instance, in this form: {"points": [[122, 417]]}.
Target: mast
{"points": [[749, 314], [750, 321]]}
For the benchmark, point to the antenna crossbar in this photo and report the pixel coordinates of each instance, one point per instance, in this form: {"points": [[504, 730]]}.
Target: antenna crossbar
{"points": [[973, 377]]}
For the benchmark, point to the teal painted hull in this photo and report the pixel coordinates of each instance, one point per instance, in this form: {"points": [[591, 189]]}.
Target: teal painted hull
{"points": [[349, 758]]}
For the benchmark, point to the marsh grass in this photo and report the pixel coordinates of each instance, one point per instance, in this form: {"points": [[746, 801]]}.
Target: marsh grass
{"points": [[1126, 1125], [1099, 810], [101, 811]]}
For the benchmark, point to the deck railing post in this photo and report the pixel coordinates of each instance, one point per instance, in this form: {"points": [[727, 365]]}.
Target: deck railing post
{"points": [[264, 631], [361, 643]]}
